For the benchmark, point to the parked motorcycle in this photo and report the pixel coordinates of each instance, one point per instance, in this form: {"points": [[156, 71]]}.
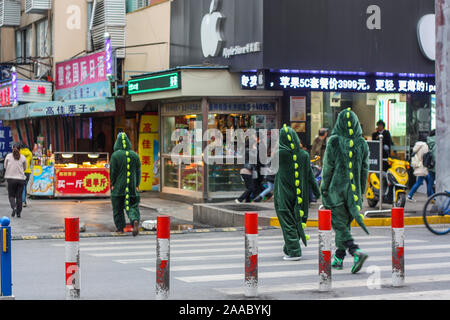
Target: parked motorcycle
{"points": [[395, 182], [316, 169]]}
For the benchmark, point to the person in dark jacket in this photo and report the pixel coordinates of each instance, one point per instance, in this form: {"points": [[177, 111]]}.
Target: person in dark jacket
{"points": [[249, 174], [125, 175], [387, 141]]}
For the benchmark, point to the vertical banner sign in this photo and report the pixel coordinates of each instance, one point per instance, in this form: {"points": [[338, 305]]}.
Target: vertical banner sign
{"points": [[14, 86], [148, 152], [108, 55], [5, 141]]}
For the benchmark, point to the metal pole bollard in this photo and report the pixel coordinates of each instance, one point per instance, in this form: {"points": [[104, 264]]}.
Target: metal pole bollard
{"points": [[325, 250], [398, 247], [162, 257], [72, 238], [251, 254], [6, 274], [380, 204]]}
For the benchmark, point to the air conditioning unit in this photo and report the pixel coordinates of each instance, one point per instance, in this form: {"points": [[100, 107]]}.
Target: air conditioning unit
{"points": [[9, 13], [109, 16], [37, 6]]}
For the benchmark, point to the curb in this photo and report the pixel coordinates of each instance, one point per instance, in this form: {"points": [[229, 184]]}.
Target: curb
{"points": [[371, 222], [144, 233]]}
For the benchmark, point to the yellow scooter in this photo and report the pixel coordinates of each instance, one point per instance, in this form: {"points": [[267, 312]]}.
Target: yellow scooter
{"points": [[395, 182]]}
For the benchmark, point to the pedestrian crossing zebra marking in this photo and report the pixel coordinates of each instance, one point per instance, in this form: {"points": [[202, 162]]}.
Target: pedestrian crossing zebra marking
{"points": [[223, 250], [310, 260], [337, 284]]}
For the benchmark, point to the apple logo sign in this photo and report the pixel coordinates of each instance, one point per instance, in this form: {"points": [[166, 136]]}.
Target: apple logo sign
{"points": [[210, 31], [427, 36]]}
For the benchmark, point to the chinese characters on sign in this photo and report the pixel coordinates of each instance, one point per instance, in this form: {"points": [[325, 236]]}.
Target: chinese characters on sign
{"points": [[70, 108], [6, 141], [81, 71], [82, 182], [343, 83], [148, 152]]}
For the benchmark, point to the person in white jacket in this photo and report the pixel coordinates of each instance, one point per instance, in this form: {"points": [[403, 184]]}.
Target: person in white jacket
{"points": [[420, 171]]}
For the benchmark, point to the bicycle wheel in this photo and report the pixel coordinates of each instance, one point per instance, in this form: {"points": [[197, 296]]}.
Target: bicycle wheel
{"points": [[436, 213]]}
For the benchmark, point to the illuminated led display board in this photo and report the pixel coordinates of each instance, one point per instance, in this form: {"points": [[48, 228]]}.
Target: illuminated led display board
{"points": [[338, 82], [160, 82]]}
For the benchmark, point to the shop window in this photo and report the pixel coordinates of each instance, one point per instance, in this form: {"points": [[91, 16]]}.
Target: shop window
{"points": [[187, 175]]}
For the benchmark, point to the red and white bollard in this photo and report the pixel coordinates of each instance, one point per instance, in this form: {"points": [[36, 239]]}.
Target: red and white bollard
{"points": [[72, 237], [162, 257], [251, 254], [324, 250], [398, 247]]}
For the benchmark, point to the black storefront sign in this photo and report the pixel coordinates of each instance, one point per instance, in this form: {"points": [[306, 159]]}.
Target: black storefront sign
{"points": [[342, 35], [374, 156], [361, 82]]}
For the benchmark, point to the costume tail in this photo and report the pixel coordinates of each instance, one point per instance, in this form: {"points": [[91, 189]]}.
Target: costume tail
{"points": [[360, 221]]}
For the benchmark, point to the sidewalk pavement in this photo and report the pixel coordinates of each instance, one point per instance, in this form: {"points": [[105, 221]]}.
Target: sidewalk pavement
{"points": [[44, 217]]}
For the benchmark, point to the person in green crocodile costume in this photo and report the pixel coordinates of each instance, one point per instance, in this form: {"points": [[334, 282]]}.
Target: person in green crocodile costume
{"points": [[125, 176], [293, 181], [344, 178]]}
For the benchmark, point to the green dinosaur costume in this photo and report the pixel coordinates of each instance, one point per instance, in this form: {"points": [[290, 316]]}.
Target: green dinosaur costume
{"points": [[125, 175], [293, 181], [344, 177]]}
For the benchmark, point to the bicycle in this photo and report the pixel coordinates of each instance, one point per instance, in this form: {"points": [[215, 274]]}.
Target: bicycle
{"points": [[436, 213]]}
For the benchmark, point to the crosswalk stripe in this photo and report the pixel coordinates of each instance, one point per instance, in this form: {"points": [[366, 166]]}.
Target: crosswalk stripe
{"points": [[293, 273], [224, 250], [209, 240], [281, 263], [427, 295], [339, 284], [227, 244], [197, 258]]}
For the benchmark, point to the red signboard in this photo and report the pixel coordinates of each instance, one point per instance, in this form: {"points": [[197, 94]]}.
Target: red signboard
{"points": [[5, 96], [82, 182]]}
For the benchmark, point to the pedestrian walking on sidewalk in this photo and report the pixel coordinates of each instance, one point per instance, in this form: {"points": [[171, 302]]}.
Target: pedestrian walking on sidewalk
{"points": [[15, 166], [420, 171], [291, 192], [431, 142], [345, 173], [249, 174], [25, 151], [125, 175]]}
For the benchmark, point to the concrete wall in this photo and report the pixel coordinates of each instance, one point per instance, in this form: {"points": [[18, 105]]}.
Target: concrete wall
{"points": [[70, 22], [148, 26]]}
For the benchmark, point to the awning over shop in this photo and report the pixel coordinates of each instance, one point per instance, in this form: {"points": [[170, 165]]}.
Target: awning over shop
{"points": [[61, 132], [58, 108]]}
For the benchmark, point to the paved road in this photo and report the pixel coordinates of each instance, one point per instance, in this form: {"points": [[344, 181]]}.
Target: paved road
{"points": [[210, 266]]}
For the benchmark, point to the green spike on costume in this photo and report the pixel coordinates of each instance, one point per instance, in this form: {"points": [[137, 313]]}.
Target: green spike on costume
{"points": [[125, 175], [294, 178]]}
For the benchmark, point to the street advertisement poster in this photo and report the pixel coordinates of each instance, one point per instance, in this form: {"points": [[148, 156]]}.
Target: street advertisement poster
{"points": [[298, 108], [374, 156], [299, 127], [82, 182], [94, 90], [42, 181], [148, 152], [6, 141]]}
